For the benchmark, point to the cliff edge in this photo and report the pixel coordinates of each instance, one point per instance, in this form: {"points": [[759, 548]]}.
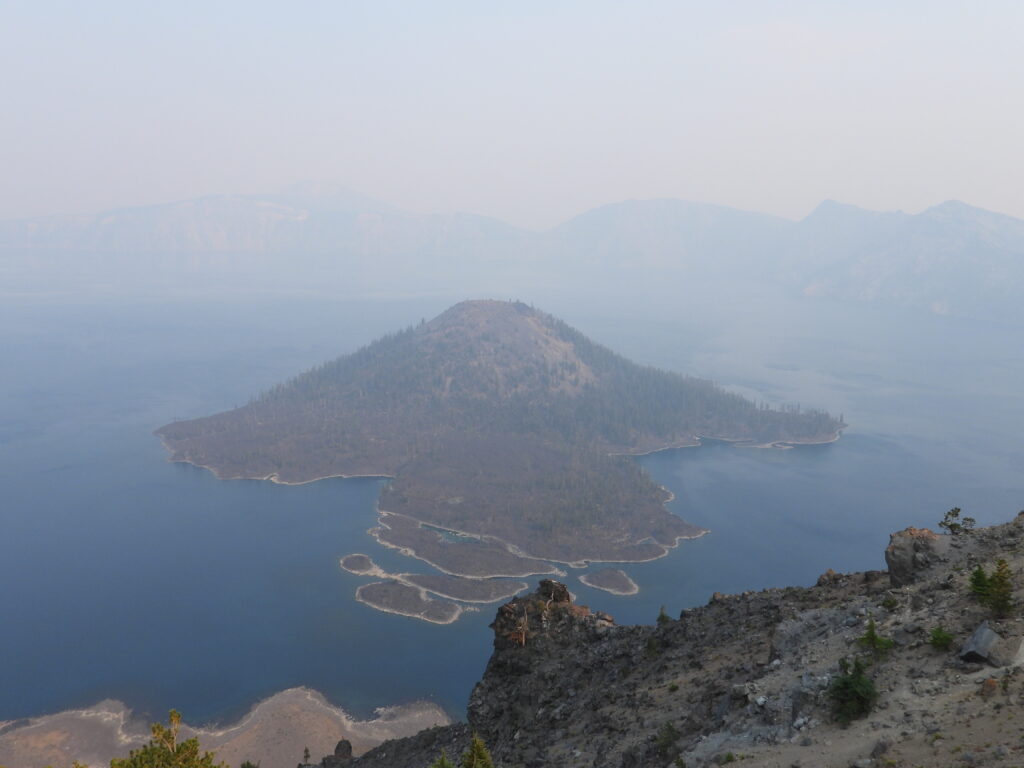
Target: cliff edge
{"points": [[750, 677]]}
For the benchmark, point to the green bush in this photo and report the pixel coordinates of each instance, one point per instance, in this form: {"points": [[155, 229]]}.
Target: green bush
{"points": [[853, 693], [666, 739], [940, 639], [873, 641], [652, 647], [442, 761]]}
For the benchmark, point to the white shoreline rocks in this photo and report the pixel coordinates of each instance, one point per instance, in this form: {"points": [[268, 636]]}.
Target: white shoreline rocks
{"points": [[612, 580]]}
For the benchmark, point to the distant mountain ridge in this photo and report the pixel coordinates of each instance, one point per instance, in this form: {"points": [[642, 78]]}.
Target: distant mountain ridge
{"points": [[949, 259]]}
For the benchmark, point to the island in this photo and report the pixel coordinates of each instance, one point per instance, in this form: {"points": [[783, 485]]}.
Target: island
{"points": [[406, 594], [611, 580], [506, 436], [406, 600]]}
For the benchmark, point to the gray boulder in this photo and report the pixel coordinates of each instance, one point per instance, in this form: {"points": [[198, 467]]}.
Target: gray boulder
{"points": [[987, 646], [912, 551]]}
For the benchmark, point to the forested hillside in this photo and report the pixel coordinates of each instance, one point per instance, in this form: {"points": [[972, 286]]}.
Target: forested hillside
{"points": [[495, 419]]}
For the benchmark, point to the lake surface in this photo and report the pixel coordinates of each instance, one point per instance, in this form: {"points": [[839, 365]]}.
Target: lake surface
{"points": [[124, 576]]}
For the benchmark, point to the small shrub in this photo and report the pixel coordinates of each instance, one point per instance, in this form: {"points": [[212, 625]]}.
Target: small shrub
{"points": [[673, 687], [873, 641], [940, 639], [853, 693], [890, 603], [954, 525], [663, 618], [442, 761], [666, 739], [477, 756], [651, 648]]}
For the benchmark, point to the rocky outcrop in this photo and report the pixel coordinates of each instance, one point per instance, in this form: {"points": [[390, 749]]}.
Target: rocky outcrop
{"points": [[911, 552], [342, 755], [749, 675]]}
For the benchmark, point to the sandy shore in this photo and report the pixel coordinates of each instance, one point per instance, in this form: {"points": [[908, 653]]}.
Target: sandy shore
{"points": [[273, 733]]}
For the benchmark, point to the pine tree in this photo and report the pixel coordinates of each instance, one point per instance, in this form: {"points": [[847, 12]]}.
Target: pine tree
{"points": [[442, 761], [853, 693], [873, 641], [477, 755], [980, 584], [164, 751], [1000, 590]]}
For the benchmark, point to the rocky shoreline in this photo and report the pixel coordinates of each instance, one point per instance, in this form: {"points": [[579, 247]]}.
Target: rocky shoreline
{"points": [[749, 677]]}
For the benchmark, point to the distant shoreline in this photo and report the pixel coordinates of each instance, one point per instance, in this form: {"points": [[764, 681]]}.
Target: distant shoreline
{"points": [[632, 588], [738, 442], [513, 549], [459, 610], [695, 442]]}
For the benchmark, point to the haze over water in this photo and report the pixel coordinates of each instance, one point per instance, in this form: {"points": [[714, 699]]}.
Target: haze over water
{"points": [[133, 578]]}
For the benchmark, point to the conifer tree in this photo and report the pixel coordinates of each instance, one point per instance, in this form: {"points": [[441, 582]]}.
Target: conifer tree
{"points": [[442, 761], [477, 755], [1000, 590], [980, 584], [873, 641], [164, 751]]}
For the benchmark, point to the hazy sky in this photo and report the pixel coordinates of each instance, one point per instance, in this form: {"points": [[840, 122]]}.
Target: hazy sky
{"points": [[528, 111]]}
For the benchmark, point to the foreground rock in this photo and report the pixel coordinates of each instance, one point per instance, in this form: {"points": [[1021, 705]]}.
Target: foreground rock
{"points": [[746, 677], [912, 553]]}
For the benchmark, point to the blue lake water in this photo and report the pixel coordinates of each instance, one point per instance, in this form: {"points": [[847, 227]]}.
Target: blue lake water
{"points": [[124, 576]]}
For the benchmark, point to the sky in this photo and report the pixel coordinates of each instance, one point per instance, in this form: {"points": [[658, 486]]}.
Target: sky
{"points": [[530, 112]]}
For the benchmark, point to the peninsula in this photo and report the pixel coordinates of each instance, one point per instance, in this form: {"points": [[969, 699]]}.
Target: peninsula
{"points": [[503, 432]]}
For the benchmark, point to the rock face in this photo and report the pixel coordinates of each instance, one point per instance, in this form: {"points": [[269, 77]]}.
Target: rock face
{"points": [[750, 674], [912, 551], [342, 754]]}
